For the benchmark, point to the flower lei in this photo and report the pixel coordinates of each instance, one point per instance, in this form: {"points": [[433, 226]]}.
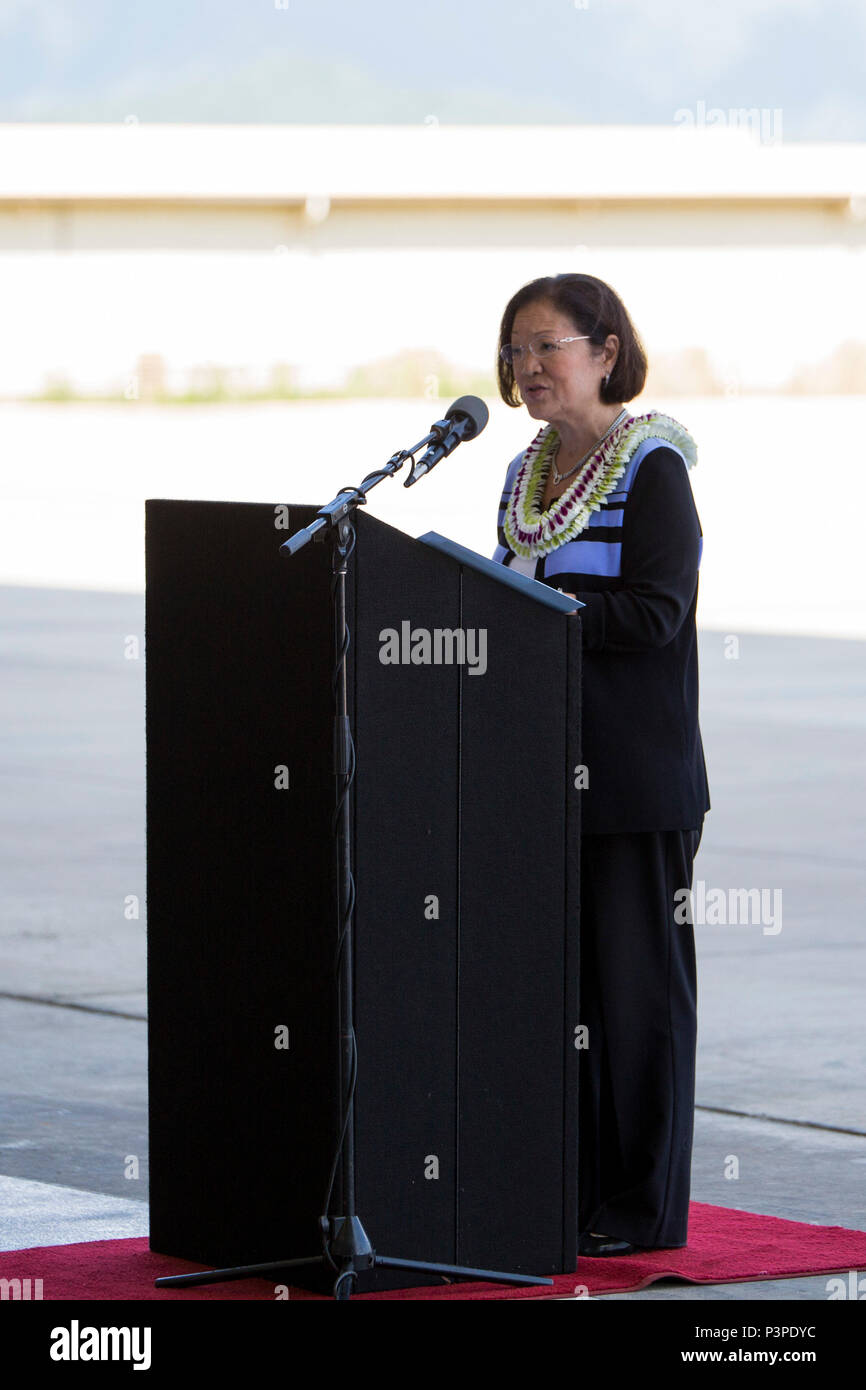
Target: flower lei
{"points": [[530, 532]]}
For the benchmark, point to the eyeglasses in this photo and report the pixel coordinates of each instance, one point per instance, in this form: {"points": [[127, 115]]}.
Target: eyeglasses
{"points": [[540, 345]]}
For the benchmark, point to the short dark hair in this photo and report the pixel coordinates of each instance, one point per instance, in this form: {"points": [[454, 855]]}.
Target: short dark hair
{"points": [[595, 309]]}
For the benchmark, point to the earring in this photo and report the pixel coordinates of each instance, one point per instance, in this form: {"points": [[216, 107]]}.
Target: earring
{"points": [[607, 379]]}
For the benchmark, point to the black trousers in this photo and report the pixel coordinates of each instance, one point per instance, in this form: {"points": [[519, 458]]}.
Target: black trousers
{"points": [[638, 998]]}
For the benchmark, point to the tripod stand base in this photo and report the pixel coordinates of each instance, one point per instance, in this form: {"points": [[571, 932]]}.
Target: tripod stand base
{"points": [[217, 1276], [351, 1254]]}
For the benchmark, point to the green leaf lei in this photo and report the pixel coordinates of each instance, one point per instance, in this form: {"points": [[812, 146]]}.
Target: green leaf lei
{"points": [[530, 532]]}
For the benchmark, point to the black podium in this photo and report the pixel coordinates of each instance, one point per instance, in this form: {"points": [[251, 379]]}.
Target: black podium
{"points": [[466, 862]]}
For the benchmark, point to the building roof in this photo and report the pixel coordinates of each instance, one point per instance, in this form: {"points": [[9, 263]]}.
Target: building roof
{"points": [[744, 158]]}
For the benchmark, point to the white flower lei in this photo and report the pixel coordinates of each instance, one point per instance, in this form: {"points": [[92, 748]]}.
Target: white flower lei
{"points": [[530, 532]]}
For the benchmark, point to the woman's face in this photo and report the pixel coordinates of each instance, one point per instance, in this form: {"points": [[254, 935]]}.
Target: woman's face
{"points": [[565, 385]]}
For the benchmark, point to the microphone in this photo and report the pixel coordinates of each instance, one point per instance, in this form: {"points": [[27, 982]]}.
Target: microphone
{"points": [[463, 420]]}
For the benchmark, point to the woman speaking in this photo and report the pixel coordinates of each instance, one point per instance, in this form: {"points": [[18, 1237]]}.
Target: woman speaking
{"points": [[600, 505]]}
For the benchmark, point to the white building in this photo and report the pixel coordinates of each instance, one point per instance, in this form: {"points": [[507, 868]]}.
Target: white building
{"points": [[321, 247]]}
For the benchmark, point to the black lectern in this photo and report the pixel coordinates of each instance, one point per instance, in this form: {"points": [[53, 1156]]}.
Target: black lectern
{"points": [[465, 705]]}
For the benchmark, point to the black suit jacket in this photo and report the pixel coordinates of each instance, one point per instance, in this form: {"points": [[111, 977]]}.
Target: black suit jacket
{"points": [[641, 736]]}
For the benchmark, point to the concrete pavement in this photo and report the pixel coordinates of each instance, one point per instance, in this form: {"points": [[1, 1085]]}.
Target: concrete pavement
{"points": [[781, 1084]]}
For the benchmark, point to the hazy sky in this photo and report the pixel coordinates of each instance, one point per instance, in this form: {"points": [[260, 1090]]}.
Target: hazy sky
{"points": [[594, 61]]}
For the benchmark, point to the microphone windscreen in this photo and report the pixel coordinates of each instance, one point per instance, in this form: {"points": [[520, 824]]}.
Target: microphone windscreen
{"points": [[470, 408]]}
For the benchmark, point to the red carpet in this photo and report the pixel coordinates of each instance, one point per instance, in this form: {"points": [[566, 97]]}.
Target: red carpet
{"points": [[724, 1247]]}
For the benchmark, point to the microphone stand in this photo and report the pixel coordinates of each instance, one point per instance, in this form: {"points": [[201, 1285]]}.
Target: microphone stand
{"points": [[346, 1247]]}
